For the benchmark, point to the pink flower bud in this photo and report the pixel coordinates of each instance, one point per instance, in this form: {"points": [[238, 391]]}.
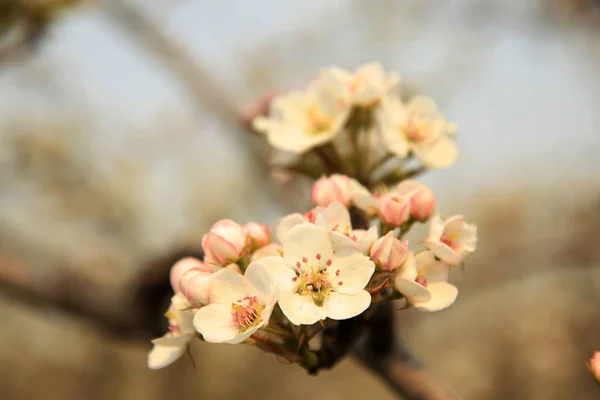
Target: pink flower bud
{"points": [[194, 285], [225, 243], [388, 252], [594, 365], [336, 187], [258, 234], [180, 268], [422, 200], [394, 209]]}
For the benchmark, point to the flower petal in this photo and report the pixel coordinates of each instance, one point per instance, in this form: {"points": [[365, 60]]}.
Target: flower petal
{"points": [[339, 241], [365, 241], [160, 356], [306, 240], [344, 306], [286, 223], [279, 271], [338, 217], [443, 295], [215, 323], [300, 310], [413, 291], [226, 286], [440, 154], [443, 252], [352, 269], [260, 276]]}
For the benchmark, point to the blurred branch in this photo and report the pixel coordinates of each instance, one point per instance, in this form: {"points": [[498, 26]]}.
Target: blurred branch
{"points": [[133, 312], [380, 352], [206, 91]]}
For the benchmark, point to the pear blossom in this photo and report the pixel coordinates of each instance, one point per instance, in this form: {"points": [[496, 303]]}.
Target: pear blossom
{"points": [[594, 365], [168, 348], [388, 253], [318, 279], [422, 199], [301, 120], [336, 219], [258, 234], [452, 240], [424, 282], [239, 305], [332, 188], [225, 243], [272, 249], [417, 128], [367, 85]]}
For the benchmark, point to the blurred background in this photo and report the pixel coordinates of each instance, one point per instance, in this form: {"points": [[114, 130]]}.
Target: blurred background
{"points": [[120, 145]]}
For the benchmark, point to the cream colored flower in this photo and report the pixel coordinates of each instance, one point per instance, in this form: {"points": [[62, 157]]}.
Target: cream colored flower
{"points": [[317, 279], [239, 305], [301, 120], [424, 283], [170, 347], [417, 128], [453, 240], [367, 85]]}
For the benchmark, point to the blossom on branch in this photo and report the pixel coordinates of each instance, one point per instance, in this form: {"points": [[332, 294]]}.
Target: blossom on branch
{"points": [[318, 279], [453, 240], [367, 85], [389, 253], [424, 282], [417, 128], [238, 305], [171, 346], [301, 120]]}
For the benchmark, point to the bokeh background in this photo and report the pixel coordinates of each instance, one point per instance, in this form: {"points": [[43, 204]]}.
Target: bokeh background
{"points": [[115, 153]]}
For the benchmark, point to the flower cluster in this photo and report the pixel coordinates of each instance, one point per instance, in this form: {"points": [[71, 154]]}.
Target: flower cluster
{"points": [[319, 267], [337, 103], [278, 288]]}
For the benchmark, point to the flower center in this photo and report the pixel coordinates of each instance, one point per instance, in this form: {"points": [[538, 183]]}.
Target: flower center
{"points": [[319, 122], [416, 129], [246, 312], [315, 284], [450, 240], [421, 280]]}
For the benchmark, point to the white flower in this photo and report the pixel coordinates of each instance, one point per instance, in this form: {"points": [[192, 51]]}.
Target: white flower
{"points": [[171, 346], [417, 128], [239, 305], [301, 120], [453, 240], [424, 282], [317, 279], [367, 85], [336, 219]]}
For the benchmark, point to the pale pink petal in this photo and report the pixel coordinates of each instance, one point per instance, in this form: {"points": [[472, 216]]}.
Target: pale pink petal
{"points": [[215, 323], [424, 106], [408, 270], [338, 217], [196, 289], [306, 241], [339, 241], [454, 224], [240, 337], [273, 249], [366, 238], [300, 310], [436, 228], [172, 340], [281, 273], [442, 153], [350, 271], [286, 223], [231, 231], [226, 287], [443, 295], [260, 276], [218, 249], [443, 252], [180, 268], [161, 356], [413, 291], [344, 306]]}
